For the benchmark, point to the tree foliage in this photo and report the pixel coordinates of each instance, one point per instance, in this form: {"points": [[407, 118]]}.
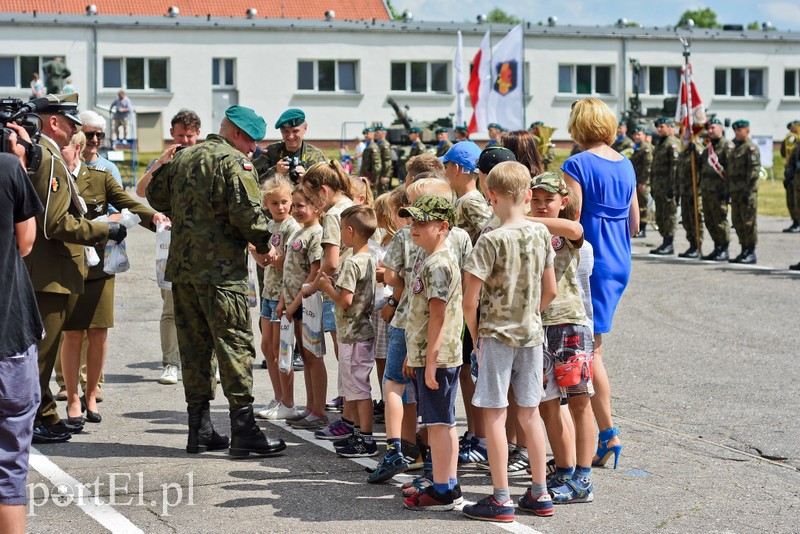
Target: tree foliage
{"points": [[703, 18], [499, 16]]}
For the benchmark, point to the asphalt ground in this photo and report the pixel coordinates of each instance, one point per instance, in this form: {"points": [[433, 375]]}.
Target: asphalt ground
{"points": [[702, 360]]}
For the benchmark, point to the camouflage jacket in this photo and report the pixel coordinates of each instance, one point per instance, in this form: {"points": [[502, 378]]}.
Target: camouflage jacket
{"points": [[744, 163], [709, 173], [685, 168], [443, 147], [210, 191], [642, 160], [624, 144], [371, 162], [417, 149], [665, 164], [386, 158], [269, 158]]}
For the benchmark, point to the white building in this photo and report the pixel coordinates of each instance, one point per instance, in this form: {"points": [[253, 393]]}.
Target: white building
{"points": [[340, 72]]}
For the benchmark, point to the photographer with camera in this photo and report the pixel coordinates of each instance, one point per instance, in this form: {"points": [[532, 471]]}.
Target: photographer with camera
{"points": [[292, 156], [56, 263]]}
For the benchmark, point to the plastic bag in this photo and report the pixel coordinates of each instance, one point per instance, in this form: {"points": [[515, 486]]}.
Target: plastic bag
{"points": [[115, 256], [163, 240], [90, 257], [313, 336], [252, 281], [286, 351]]}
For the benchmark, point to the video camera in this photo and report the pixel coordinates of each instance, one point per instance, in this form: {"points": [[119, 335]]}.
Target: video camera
{"points": [[24, 114]]}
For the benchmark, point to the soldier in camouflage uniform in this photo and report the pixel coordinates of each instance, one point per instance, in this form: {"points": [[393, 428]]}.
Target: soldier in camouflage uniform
{"points": [[792, 202], [622, 141], [211, 193], [714, 189], [791, 173], [417, 146], [744, 163], [462, 133], [387, 169], [642, 160], [444, 142], [665, 188], [371, 158], [276, 158], [686, 187], [494, 131]]}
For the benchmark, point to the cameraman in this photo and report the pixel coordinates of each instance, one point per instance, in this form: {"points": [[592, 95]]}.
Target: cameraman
{"points": [[293, 151], [22, 327], [56, 263]]}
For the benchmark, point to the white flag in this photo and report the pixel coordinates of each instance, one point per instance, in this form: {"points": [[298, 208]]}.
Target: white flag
{"points": [[458, 63], [505, 99]]}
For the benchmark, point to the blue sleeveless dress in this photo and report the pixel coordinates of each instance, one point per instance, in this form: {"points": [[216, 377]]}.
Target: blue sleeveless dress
{"points": [[608, 189]]}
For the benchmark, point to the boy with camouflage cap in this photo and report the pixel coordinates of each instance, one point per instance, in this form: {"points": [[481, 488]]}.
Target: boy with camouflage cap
{"points": [[433, 336]]}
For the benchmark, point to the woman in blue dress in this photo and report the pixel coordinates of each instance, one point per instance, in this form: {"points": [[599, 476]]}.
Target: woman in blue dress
{"points": [[606, 183]]}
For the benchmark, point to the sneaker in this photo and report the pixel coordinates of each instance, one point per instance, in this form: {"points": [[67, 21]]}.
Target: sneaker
{"points": [[264, 364], [541, 505], [310, 422], [430, 500], [488, 509], [335, 404], [284, 413], [556, 480], [301, 414], [389, 467], [169, 376], [517, 462], [335, 431], [297, 362], [574, 491], [359, 448], [378, 408], [269, 411], [458, 497], [471, 452], [344, 442], [412, 455]]}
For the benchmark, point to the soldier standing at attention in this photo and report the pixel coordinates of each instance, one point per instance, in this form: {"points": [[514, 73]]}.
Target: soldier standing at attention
{"points": [[642, 160], [291, 151], [444, 142], [211, 192], [417, 146], [744, 162], [622, 142], [714, 189], [371, 159], [494, 133], [385, 148], [687, 198], [462, 133], [792, 202], [665, 162]]}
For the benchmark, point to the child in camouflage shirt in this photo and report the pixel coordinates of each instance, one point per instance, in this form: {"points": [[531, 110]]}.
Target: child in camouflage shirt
{"points": [[510, 275], [353, 295]]}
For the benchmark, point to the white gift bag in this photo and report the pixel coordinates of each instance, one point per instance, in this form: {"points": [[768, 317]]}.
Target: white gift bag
{"points": [[313, 336], [286, 345], [163, 240]]}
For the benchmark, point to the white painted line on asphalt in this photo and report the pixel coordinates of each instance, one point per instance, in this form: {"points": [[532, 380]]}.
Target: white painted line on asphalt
{"points": [[305, 435], [91, 505], [727, 265]]}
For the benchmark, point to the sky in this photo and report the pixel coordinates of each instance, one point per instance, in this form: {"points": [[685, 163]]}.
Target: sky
{"points": [[784, 14]]}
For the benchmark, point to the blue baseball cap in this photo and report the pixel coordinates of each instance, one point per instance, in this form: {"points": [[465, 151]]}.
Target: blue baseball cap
{"points": [[464, 154]]}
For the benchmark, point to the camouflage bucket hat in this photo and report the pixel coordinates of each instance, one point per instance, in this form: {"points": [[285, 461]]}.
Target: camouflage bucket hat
{"points": [[550, 182], [430, 208]]}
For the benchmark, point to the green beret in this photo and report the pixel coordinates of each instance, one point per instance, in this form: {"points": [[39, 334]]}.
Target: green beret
{"points": [[462, 129], [621, 123], [441, 130], [367, 130], [66, 105], [665, 120], [414, 129], [495, 125], [713, 120], [291, 117], [248, 121], [534, 124], [741, 123], [380, 128], [639, 129]]}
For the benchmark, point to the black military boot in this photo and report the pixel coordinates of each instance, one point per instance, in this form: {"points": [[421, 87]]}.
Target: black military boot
{"points": [[712, 256], [642, 230], [247, 438], [749, 256], [723, 253], [202, 436], [793, 229], [692, 252], [738, 259], [665, 249]]}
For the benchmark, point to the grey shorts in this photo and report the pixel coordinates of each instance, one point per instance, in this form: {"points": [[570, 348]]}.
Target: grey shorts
{"points": [[501, 367]]}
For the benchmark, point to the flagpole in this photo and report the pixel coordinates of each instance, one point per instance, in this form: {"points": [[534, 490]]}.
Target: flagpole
{"points": [[524, 80], [688, 88]]}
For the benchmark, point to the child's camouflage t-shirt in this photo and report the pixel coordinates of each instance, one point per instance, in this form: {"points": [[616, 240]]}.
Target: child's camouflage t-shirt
{"points": [[472, 213], [357, 275], [567, 307], [302, 249], [273, 277]]}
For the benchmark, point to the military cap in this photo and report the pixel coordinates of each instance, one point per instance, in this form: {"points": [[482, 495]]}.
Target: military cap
{"points": [[66, 105], [441, 130], [495, 125], [492, 156], [461, 129], [247, 121], [290, 117], [741, 123], [430, 208], [790, 124], [534, 124], [665, 120], [367, 130], [621, 123], [465, 154], [415, 129], [550, 182], [713, 120], [380, 128], [639, 128]]}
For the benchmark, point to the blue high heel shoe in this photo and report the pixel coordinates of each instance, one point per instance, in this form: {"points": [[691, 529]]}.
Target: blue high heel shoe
{"points": [[604, 452]]}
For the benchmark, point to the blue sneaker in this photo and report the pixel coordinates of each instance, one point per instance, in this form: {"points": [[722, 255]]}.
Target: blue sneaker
{"points": [[471, 452], [488, 509], [574, 491], [389, 467], [541, 505]]}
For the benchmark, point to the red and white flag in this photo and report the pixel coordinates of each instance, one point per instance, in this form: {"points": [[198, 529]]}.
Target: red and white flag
{"points": [[690, 113], [478, 83]]}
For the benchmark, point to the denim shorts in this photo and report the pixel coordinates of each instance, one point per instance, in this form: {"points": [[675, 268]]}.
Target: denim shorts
{"points": [[396, 354], [268, 310], [328, 318], [437, 407]]}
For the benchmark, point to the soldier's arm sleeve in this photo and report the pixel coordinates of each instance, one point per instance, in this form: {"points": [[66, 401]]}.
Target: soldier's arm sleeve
{"points": [[377, 164], [386, 162], [158, 190], [317, 156], [59, 224], [116, 195], [647, 170], [755, 165], [244, 202]]}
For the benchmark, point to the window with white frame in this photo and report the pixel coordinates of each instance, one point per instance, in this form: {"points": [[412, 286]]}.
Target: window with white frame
{"points": [[739, 82], [17, 71], [136, 73], [662, 80], [791, 82], [327, 75], [584, 79], [222, 72], [420, 76]]}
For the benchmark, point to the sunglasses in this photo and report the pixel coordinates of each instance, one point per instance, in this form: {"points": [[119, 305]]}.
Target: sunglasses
{"points": [[99, 135]]}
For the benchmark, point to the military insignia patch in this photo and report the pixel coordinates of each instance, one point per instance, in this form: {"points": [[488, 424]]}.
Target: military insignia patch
{"points": [[54, 184], [297, 246], [506, 79], [418, 286], [276, 240], [558, 242], [246, 165]]}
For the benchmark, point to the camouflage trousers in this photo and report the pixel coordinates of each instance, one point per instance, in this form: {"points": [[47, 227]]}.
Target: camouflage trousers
{"points": [[215, 319], [687, 216], [666, 209], [643, 197], [744, 210], [793, 198], [715, 212]]}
